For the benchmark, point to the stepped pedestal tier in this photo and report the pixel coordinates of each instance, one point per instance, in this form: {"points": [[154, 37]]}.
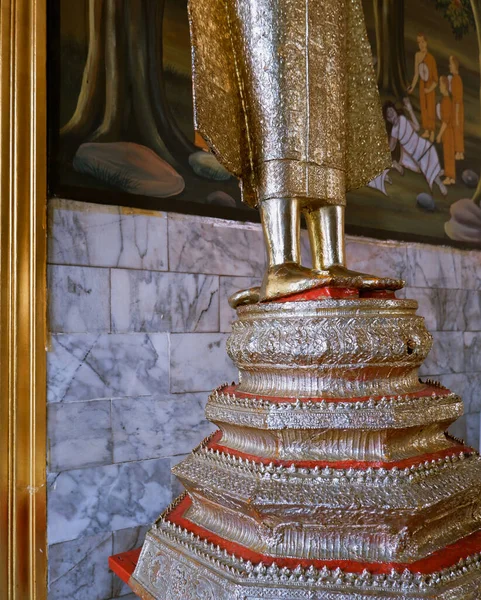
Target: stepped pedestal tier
{"points": [[331, 475]]}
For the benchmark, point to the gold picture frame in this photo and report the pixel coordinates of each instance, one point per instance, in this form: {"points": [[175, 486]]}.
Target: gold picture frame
{"points": [[23, 330]]}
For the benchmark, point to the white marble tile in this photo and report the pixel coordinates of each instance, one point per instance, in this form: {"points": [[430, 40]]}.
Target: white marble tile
{"points": [[79, 435], [156, 428], [433, 266], [106, 236], [89, 366], [78, 299], [200, 245], [447, 355], [443, 310], [84, 502], [472, 310], [471, 270], [151, 301], [228, 286], [385, 259], [472, 392], [199, 362], [124, 541], [472, 430], [472, 352], [78, 569]]}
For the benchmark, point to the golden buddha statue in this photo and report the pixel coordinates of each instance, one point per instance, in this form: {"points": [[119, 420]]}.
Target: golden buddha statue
{"points": [[286, 97]]}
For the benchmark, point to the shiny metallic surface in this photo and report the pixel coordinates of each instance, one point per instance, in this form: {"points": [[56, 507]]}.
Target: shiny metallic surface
{"points": [[334, 348], [331, 476], [301, 124]]}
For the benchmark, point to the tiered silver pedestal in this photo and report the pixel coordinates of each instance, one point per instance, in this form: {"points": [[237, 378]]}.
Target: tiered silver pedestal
{"points": [[331, 476]]}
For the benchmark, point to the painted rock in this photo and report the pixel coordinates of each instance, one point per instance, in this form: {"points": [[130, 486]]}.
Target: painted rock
{"points": [[221, 199], [465, 223], [205, 164], [470, 178], [129, 167], [426, 201]]}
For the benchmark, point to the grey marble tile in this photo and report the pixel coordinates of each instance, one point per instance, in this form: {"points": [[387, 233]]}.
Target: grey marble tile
{"points": [[385, 259], [89, 366], [125, 540], [443, 310], [456, 382], [78, 299], [128, 596], [151, 301], [199, 362], [102, 499], [78, 569], [199, 245], [472, 430], [79, 435], [472, 392], [472, 352], [106, 236], [161, 427], [438, 267], [447, 355], [472, 310], [228, 286], [471, 270]]}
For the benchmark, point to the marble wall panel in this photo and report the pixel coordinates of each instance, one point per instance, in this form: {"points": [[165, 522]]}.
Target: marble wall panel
{"points": [[433, 266], [471, 270], [85, 502], [228, 286], [89, 366], [78, 569], [199, 362], [152, 302], [385, 259], [472, 430], [199, 245], [106, 236], [472, 356], [158, 427], [125, 540], [443, 310], [447, 354], [79, 435], [79, 299]]}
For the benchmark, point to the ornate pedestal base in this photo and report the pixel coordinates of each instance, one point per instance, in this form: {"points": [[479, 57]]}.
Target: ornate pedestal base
{"points": [[331, 475]]}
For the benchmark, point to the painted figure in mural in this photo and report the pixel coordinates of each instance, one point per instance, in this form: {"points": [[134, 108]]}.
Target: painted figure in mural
{"points": [[417, 153], [426, 72], [457, 92], [446, 133], [294, 112]]}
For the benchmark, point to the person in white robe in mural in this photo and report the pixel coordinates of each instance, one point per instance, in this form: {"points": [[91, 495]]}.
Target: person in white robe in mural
{"points": [[417, 154]]}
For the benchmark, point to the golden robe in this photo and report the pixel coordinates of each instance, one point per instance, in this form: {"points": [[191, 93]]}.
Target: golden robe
{"points": [[428, 101], [286, 96]]}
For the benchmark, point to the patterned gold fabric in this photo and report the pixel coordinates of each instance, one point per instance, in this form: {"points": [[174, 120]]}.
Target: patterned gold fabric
{"points": [[286, 96]]}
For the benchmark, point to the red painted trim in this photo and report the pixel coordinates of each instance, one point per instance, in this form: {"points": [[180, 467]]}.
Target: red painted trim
{"points": [[427, 390], [319, 293], [445, 558], [215, 444], [123, 565]]}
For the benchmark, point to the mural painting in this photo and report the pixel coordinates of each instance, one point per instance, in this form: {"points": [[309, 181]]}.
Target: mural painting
{"points": [[122, 121]]}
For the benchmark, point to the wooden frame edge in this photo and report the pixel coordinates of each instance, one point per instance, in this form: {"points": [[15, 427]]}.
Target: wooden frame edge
{"points": [[23, 256]]}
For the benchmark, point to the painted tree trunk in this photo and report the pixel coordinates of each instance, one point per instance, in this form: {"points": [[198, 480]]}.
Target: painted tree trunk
{"points": [[391, 62]]}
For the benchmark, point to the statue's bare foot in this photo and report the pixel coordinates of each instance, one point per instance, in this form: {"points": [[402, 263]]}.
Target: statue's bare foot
{"points": [[343, 277], [291, 278], [243, 297]]}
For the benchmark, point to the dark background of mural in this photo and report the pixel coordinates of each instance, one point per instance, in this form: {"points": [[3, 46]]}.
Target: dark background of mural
{"points": [[138, 89]]}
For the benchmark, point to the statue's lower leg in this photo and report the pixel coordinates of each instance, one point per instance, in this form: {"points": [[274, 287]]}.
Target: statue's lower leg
{"points": [[326, 226]]}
